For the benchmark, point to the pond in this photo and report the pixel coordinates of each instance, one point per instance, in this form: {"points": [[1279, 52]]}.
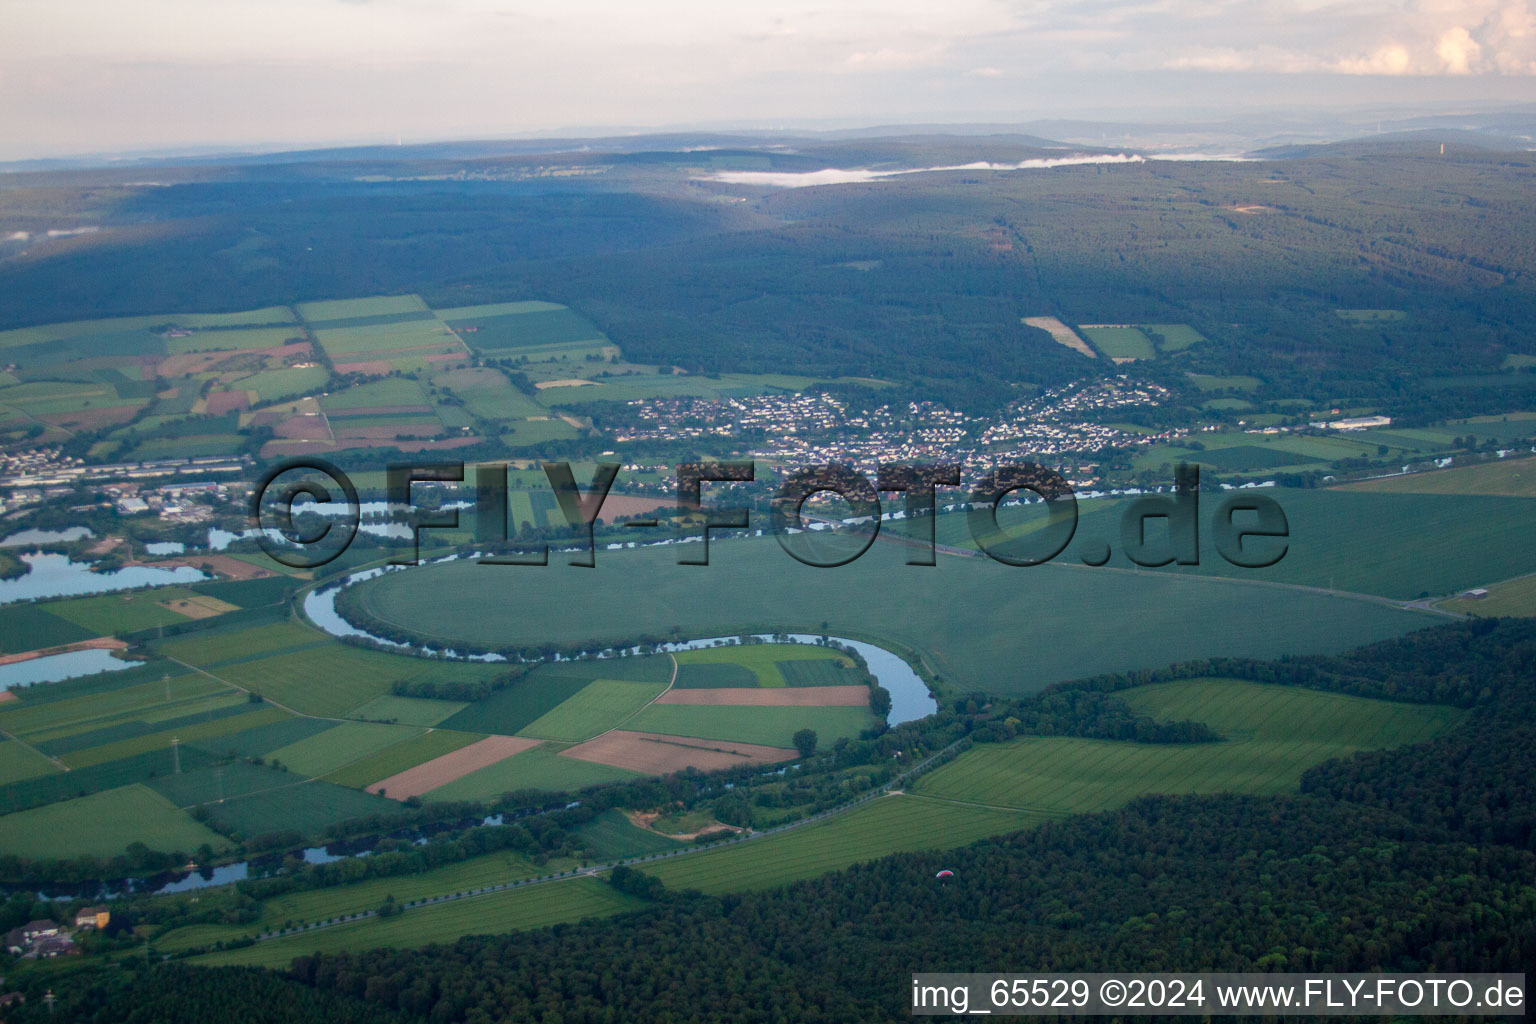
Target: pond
{"points": [[58, 576], [55, 667], [25, 537]]}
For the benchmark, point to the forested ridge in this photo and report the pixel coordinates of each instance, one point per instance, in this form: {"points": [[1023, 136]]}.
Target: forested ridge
{"points": [[1415, 859]]}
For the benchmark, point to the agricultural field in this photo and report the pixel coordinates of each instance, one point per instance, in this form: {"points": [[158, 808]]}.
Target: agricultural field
{"points": [[408, 710], [542, 767], [1123, 344], [973, 622], [399, 757], [1273, 734], [1173, 337], [1509, 477], [338, 901], [765, 662], [335, 748], [19, 761], [1513, 597], [764, 726], [446, 768], [601, 705], [884, 825], [1215, 382], [308, 672], [102, 824], [611, 836], [308, 806], [1399, 546], [535, 906]]}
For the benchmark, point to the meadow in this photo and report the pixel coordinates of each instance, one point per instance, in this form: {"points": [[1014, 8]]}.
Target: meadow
{"points": [[976, 623], [766, 726], [882, 826], [535, 906], [601, 705], [1511, 477], [1273, 734], [102, 824], [1120, 343], [539, 768], [764, 661]]}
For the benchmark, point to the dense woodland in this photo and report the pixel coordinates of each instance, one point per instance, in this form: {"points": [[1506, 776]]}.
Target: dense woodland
{"points": [[920, 280], [1416, 859]]}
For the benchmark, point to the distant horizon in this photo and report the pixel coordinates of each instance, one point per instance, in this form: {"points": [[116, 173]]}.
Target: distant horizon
{"points": [[1336, 121]]}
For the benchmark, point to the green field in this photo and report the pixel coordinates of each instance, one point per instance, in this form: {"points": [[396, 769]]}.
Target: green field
{"points": [[542, 767], [1509, 477], [1274, 733], [398, 757], [1212, 382], [350, 741], [30, 627], [510, 332], [1120, 342], [772, 727], [408, 710], [977, 623], [1173, 337], [610, 836], [102, 824], [276, 385], [341, 900], [762, 660], [19, 761], [316, 675], [306, 806], [345, 309], [1514, 597], [43, 720], [121, 613], [502, 403], [509, 910], [390, 391], [885, 825], [601, 705]]}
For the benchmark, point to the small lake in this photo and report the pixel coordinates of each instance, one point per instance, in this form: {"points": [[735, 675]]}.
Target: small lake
{"points": [[25, 537], [58, 576], [60, 666]]}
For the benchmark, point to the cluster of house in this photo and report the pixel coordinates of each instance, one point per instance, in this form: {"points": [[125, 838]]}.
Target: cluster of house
{"points": [[44, 938]]}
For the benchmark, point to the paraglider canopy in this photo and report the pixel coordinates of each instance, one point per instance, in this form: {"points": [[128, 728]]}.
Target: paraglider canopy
{"points": [[946, 873]]}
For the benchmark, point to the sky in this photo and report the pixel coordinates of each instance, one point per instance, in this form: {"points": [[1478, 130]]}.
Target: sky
{"points": [[97, 76]]}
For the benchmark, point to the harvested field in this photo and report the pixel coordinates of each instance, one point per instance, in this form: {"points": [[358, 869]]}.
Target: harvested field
{"points": [[653, 753], [303, 428], [440, 771], [199, 607], [385, 432], [89, 419], [442, 442], [378, 410], [763, 697], [616, 505], [568, 382], [1062, 334], [221, 402], [368, 367], [224, 565]]}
